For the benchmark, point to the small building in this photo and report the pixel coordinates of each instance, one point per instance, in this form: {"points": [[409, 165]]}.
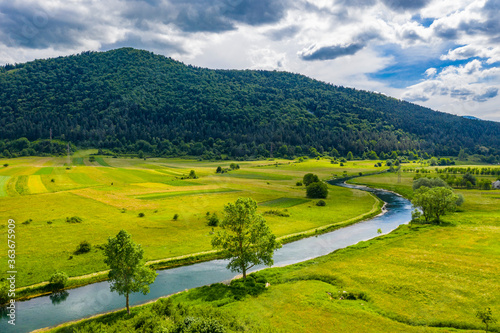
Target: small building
{"points": [[496, 185]]}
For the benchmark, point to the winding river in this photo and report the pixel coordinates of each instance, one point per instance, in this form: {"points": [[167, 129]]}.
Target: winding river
{"points": [[96, 298]]}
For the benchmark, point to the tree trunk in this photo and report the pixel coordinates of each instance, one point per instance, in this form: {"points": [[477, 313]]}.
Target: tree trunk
{"points": [[244, 272], [128, 307]]}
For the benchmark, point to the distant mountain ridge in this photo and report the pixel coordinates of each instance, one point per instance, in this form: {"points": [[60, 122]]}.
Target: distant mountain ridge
{"points": [[134, 100], [472, 117]]}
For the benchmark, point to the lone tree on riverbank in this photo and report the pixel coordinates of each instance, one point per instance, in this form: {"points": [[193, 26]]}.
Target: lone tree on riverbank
{"points": [[435, 202], [128, 273], [245, 238]]}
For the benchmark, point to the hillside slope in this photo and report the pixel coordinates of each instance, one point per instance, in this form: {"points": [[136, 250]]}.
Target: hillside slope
{"points": [[131, 100]]}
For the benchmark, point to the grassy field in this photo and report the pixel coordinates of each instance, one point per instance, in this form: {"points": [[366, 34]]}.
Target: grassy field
{"points": [[420, 278], [142, 197]]}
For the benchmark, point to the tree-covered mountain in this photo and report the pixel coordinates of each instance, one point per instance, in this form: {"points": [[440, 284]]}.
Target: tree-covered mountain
{"points": [[133, 100]]}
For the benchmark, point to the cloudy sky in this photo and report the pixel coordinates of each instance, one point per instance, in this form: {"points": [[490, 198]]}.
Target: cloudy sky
{"points": [[444, 54]]}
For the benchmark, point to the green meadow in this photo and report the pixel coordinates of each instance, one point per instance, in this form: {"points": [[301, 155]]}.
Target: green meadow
{"points": [[142, 197], [419, 278]]}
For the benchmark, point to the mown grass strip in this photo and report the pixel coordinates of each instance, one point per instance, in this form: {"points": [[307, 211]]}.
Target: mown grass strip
{"points": [[256, 175], [44, 171], [35, 184], [284, 202], [102, 162], [181, 183], [82, 178], [3, 186], [78, 161], [22, 185], [156, 196]]}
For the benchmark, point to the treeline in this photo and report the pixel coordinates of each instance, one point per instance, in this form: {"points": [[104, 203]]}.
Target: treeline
{"points": [[471, 170], [128, 100], [467, 181], [23, 147]]}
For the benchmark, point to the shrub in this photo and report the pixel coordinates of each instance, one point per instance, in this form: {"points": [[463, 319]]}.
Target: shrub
{"points": [[276, 212], [212, 220], [6, 165], [83, 247], [321, 203], [74, 219], [58, 280], [349, 295], [299, 183], [428, 182], [317, 190], [192, 174], [28, 221], [309, 179], [141, 214], [176, 216]]}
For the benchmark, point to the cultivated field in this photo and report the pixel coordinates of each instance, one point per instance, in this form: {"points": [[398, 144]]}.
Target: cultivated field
{"points": [[109, 194], [419, 278]]}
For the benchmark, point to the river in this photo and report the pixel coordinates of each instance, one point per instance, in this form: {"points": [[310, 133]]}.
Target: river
{"points": [[96, 298]]}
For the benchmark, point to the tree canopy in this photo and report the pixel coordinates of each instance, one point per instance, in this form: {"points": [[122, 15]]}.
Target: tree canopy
{"points": [[435, 202], [245, 239], [129, 100], [310, 178], [128, 273], [317, 190]]}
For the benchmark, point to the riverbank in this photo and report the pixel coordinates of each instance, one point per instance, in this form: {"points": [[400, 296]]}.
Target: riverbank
{"points": [[423, 278], [43, 288]]}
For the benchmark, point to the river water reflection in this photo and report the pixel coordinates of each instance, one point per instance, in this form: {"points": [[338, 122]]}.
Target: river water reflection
{"points": [[96, 298]]}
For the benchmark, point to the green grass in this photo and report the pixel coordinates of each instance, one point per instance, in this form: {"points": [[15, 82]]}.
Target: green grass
{"points": [[78, 161], [283, 202], [82, 178], [22, 185], [105, 198], [421, 278], [156, 196], [254, 175], [417, 279], [175, 182], [44, 171], [101, 161], [3, 185]]}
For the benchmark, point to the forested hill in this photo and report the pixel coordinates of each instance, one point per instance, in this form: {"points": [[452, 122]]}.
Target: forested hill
{"points": [[132, 100]]}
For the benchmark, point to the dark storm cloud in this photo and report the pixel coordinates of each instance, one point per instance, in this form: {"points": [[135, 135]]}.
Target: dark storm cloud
{"points": [[445, 32], [280, 34], [488, 25], [411, 35], [357, 3], [340, 50], [464, 94], [332, 52], [404, 5], [490, 93], [221, 15], [461, 93], [35, 28], [24, 25]]}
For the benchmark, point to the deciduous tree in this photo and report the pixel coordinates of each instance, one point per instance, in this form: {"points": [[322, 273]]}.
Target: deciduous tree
{"points": [[245, 238], [435, 202], [128, 273]]}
